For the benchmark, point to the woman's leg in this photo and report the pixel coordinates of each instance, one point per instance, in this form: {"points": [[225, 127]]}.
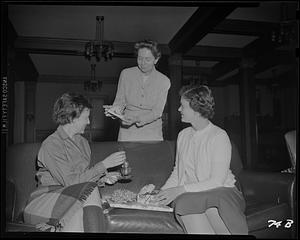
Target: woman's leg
{"points": [[90, 218], [197, 224], [216, 221], [75, 224], [93, 217]]}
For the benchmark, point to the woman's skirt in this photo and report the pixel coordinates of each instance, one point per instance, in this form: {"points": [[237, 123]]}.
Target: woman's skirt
{"points": [[229, 202]]}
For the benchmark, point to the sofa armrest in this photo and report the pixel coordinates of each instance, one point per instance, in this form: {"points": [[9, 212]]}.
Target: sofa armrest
{"points": [[268, 186], [20, 227], [11, 197]]}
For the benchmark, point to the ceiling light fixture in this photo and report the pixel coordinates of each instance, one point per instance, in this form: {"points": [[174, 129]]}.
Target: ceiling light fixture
{"points": [[286, 31], [94, 51], [98, 48], [93, 84]]}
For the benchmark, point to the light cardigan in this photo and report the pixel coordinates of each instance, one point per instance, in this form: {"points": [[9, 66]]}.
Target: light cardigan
{"points": [[144, 99], [209, 151]]}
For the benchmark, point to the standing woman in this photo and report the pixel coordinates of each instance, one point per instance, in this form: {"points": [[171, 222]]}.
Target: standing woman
{"points": [[67, 198], [203, 166], [141, 96]]}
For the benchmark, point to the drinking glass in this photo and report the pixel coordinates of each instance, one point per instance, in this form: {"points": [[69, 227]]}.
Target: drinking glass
{"points": [[125, 168]]}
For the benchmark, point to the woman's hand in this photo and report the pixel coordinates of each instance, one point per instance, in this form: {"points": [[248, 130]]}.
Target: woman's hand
{"points": [[129, 120], [164, 197], [110, 178], [115, 159], [116, 109]]}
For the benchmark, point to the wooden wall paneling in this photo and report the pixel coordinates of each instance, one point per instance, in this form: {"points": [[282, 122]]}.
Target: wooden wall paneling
{"points": [[175, 68], [163, 67], [30, 99], [248, 112]]}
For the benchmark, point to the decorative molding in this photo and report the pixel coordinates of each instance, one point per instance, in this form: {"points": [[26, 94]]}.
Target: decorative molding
{"points": [[75, 79], [75, 47]]}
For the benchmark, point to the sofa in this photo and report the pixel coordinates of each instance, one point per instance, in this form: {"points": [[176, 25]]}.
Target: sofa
{"points": [[268, 195]]}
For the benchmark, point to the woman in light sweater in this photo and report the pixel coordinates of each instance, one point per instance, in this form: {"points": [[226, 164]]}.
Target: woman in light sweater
{"points": [[203, 165]]}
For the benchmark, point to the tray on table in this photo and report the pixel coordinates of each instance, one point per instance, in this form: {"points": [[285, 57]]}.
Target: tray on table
{"points": [[136, 205]]}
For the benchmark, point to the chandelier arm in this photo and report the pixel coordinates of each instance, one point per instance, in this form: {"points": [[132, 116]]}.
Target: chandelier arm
{"points": [[102, 30], [98, 29]]}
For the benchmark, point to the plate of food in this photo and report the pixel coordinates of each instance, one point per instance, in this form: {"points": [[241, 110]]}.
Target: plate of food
{"points": [[122, 198]]}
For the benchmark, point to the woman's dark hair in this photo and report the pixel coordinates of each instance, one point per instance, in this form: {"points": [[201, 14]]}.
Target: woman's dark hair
{"points": [[68, 107], [149, 44], [200, 99]]}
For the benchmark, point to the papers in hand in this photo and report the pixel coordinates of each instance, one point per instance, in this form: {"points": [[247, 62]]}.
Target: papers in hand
{"points": [[116, 114]]}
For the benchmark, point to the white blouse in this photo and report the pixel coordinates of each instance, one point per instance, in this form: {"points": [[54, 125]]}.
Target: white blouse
{"points": [[202, 160]]}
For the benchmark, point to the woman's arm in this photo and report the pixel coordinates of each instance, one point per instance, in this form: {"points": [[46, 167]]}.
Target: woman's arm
{"points": [[157, 110], [220, 152], [55, 160], [170, 190], [120, 95], [173, 178]]}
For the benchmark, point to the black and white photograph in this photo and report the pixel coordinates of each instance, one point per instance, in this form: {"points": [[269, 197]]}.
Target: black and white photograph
{"points": [[141, 119]]}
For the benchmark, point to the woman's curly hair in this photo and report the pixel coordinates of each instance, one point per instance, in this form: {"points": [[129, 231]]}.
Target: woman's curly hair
{"points": [[149, 44], [200, 99], [68, 107]]}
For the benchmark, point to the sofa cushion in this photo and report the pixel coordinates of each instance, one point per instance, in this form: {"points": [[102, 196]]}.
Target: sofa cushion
{"points": [[10, 200], [152, 163], [20, 227], [21, 167], [141, 221]]}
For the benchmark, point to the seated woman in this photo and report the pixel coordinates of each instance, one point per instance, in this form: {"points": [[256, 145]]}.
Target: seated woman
{"points": [[202, 166], [67, 198]]}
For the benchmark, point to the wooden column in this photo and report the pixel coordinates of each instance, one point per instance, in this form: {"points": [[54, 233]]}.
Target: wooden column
{"points": [[21, 68], [30, 95], [175, 74], [163, 67], [248, 113]]}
